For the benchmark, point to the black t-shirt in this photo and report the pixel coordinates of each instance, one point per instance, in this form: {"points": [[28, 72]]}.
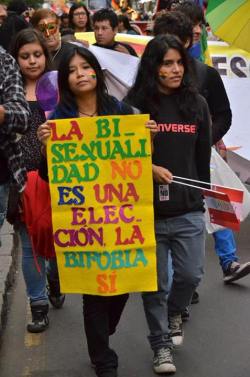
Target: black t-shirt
{"points": [[184, 148], [56, 56]]}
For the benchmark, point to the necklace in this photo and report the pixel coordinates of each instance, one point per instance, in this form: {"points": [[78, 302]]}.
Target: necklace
{"points": [[56, 53], [88, 115]]}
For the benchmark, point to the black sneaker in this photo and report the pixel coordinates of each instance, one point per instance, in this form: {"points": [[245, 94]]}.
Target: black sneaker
{"points": [[195, 298], [40, 320], [176, 331], [236, 271], [163, 361], [56, 298], [57, 301]]}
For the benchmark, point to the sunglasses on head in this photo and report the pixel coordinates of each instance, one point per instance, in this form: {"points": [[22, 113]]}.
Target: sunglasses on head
{"points": [[50, 28]]}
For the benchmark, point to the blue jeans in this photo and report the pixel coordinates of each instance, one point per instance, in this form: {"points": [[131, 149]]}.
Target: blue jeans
{"points": [[185, 237], [225, 247], [4, 194], [35, 280]]}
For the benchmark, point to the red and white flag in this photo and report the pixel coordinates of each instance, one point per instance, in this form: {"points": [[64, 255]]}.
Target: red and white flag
{"points": [[224, 206]]}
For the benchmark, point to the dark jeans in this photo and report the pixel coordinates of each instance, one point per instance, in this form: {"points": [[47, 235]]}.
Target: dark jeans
{"points": [[101, 316]]}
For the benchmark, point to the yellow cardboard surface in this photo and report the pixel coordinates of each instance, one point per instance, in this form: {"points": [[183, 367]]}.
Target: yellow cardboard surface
{"points": [[100, 176]]}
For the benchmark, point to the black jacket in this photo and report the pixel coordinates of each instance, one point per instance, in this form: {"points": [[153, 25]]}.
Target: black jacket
{"points": [[210, 86]]}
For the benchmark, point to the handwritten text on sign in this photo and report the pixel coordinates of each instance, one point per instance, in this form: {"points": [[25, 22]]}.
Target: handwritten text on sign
{"points": [[101, 191]]}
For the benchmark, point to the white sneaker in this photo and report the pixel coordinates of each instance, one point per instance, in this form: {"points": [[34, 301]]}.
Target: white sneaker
{"points": [[236, 271], [176, 331], [163, 361]]}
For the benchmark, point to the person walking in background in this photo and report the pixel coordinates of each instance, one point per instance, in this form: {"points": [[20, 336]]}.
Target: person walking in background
{"points": [[182, 147], [210, 85], [199, 49], [212, 88], [12, 21], [79, 18], [47, 23], [64, 19], [105, 23], [30, 51], [124, 25]]}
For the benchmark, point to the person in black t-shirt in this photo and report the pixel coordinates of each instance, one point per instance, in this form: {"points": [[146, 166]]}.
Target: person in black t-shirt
{"points": [[105, 23], [183, 24], [182, 148]]}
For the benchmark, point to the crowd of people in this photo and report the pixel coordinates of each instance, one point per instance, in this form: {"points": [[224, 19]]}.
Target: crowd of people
{"points": [[174, 86]]}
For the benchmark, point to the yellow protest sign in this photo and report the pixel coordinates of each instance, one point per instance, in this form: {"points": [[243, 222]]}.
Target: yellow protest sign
{"points": [[101, 189]]}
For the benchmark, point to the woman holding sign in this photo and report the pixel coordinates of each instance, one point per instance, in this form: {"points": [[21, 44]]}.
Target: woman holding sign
{"points": [[181, 148], [83, 93]]}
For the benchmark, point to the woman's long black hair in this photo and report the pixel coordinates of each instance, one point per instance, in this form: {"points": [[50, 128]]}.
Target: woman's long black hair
{"points": [[145, 93], [67, 98]]}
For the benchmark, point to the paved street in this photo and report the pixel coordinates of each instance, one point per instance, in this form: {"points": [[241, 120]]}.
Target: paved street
{"points": [[217, 337]]}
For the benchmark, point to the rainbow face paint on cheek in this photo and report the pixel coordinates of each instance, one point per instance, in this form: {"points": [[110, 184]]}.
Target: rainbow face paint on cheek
{"points": [[92, 74], [162, 74]]}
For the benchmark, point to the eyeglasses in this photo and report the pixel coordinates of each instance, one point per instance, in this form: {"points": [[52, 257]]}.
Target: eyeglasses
{"points": [[78, 14], [48, 29]]}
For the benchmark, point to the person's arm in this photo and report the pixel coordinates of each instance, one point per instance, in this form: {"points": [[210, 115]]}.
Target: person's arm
{"points": [[161, 174], [125, 48], [219, 105], [14, 109], [203, 145]]}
